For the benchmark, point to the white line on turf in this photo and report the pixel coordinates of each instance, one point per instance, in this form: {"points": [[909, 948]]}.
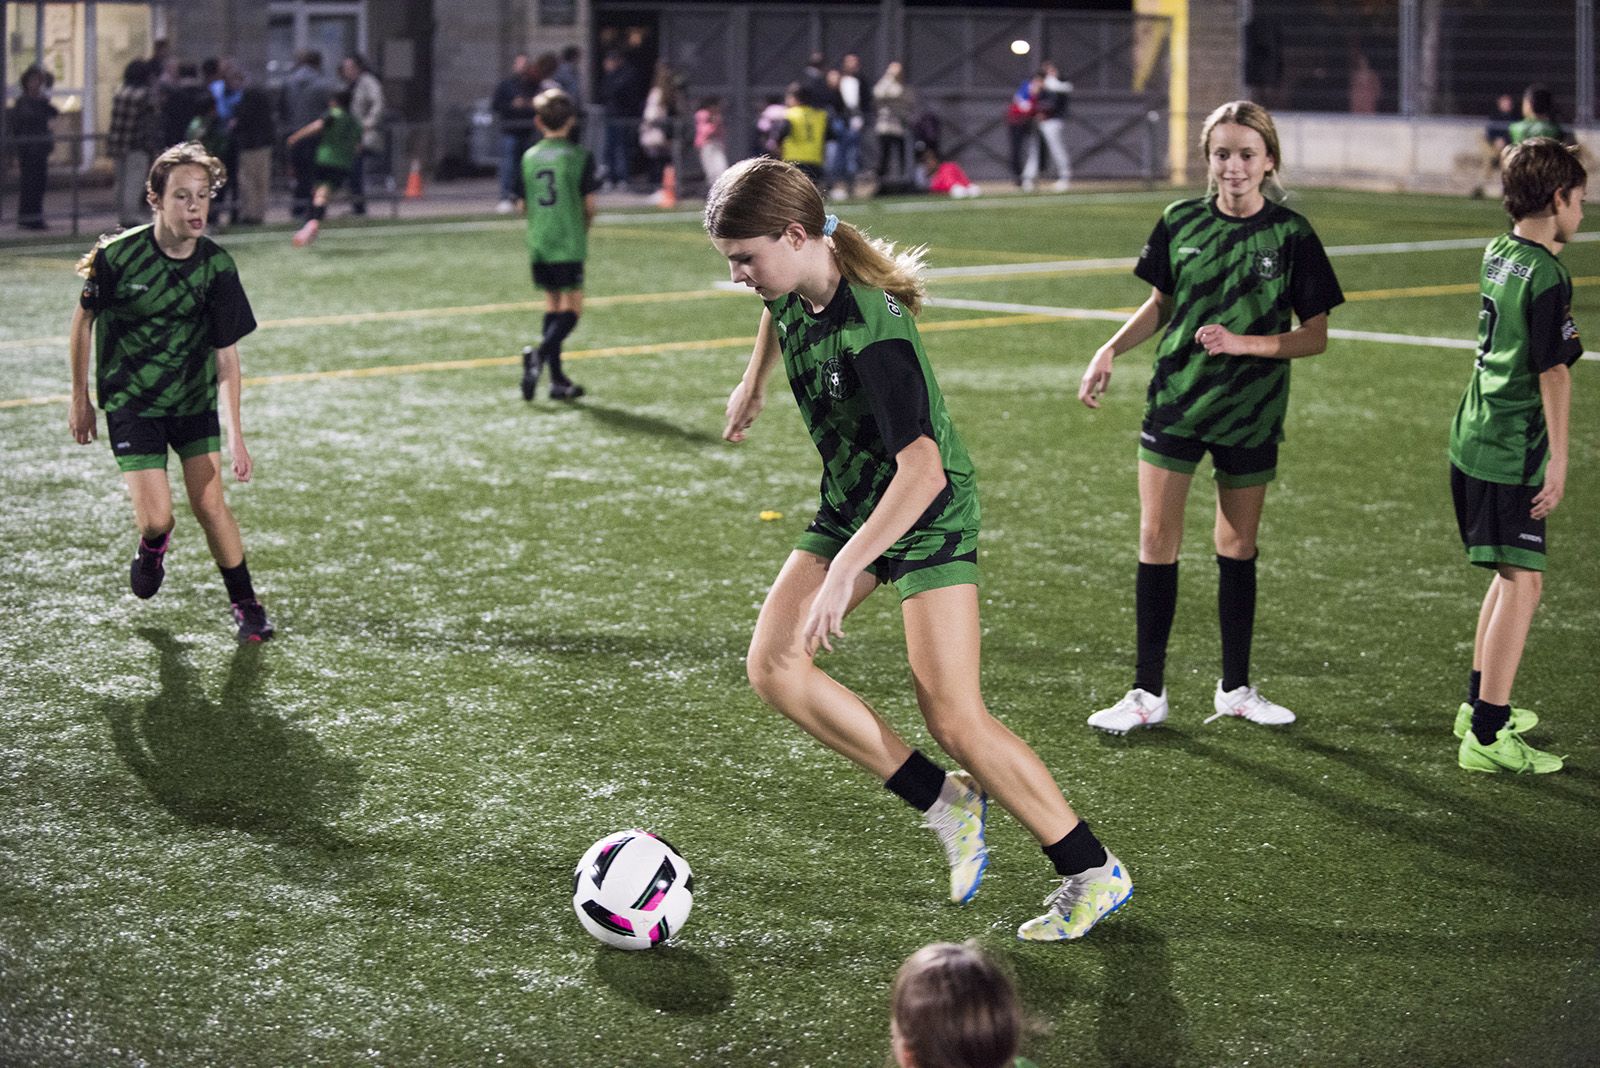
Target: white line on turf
{"points": [[1106, 315]]}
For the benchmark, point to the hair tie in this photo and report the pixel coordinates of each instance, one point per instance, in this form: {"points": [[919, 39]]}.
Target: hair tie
{"points": [[829, 224]]}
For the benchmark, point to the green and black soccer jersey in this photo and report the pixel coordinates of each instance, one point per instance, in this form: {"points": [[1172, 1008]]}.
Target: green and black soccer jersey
{"points": [[339, 142], [158, 322], [866, 391], [1524, 329], [1251, 275], [1523, 129], [556, 176]]}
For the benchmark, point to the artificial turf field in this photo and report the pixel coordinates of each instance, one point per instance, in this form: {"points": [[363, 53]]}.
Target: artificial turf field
{"points": [[506, 629]]}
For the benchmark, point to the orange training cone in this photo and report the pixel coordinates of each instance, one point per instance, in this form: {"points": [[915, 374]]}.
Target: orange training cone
{"points": [[669, 187], [414, 180]]}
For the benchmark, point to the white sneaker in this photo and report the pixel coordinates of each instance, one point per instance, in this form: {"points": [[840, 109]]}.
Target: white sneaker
{"points": [[1139, 708], [1247, 702], [505, 207], [1062, 185], [958, 818]]}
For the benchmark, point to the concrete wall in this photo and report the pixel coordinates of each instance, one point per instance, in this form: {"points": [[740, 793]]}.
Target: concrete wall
{"points": [[1387, 152]]}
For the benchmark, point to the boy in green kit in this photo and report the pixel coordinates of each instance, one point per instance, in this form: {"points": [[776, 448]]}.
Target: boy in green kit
{"points": [[1508, 444], [556, 184], [336, 157]]}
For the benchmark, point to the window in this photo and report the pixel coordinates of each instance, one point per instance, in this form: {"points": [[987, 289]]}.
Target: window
{"points": [[336, 28]]}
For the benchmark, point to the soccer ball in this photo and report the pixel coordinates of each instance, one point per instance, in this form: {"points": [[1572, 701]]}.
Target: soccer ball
{"points": [[632, 890]]}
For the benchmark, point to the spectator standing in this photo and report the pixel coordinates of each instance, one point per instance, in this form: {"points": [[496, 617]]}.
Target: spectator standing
{"points": [[305, 97], [366, 106], [1022, 123], [223, 78], [512, 105], [569, 76], [893, 103], [131, 140], [656, 124], [710, 138], [770, 125], [852, 105], [622, 98], [182, 95], [1052, 111], [814, 81], [1538, 117], [254, 134], [30, 126], [803, 134]]}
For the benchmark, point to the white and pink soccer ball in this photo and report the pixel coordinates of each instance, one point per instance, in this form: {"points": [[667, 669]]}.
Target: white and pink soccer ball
{"points": [[632, 890]]}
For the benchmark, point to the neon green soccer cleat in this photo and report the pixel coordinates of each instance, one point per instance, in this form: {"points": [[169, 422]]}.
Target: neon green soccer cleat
{"points": [[1080, 902], [1508, 752], [958, 819], [1522, 719]]}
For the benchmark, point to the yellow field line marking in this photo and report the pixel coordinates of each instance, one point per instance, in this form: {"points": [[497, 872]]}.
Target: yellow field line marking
{"points": [[576, 354], [397, 314], [1451, 289]]}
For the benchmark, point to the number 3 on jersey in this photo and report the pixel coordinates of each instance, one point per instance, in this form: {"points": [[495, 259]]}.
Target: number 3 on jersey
{"points": [[547, 180], [1488, 318]]}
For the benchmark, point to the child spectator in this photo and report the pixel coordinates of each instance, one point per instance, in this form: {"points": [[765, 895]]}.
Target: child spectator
{"points": [[710, 139]]}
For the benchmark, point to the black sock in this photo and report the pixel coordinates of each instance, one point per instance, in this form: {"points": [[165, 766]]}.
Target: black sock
{"points": [[557, 325], [1079, 851], [1236, 615], [1487, 720], [1474, 682], [917, 782], [318, 211], [1155, 602], [237, 579], [155, 545]]}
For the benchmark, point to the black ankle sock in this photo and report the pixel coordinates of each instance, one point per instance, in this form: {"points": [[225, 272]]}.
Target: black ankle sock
{"points": [[1474, 681], [155, 545], [1079, 851], [1236, 616], [318, 211], [917, 782], [237, 579], [1155, 602], [1487, 720]]}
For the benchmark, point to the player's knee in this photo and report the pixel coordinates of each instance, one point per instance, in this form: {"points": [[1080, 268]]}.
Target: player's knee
{"points": [[1235, 546], [1159, 540], [770, 676]]}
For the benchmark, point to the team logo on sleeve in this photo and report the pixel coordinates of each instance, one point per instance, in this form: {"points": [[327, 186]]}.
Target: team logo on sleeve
{"points": [[1268, 264], [837, 381], [894, 309]]}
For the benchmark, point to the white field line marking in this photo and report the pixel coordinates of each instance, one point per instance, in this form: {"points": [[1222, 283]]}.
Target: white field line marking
{"points": [[1378, 337]]}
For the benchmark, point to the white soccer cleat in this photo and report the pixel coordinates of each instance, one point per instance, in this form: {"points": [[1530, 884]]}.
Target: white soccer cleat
{"points": [[1139, 708], [1247, 703], [958, 819]]}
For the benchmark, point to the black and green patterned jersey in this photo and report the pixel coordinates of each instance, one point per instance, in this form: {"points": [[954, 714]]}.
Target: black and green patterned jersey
{"points": [[555, 177], [1523, 129], [1251, 275], [159, 321], [866, 391], [339, 141], [1525, 328]]}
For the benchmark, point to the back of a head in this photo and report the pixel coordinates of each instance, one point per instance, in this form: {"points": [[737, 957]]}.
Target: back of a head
{"points": [[136, 73], [1534, 171], [953, 1008], [554, 109], [1540, 102]]}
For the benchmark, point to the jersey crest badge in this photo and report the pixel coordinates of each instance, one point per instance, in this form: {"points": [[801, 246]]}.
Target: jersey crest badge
{"points": [[1268, 264], [894, 309], [835, 380]]}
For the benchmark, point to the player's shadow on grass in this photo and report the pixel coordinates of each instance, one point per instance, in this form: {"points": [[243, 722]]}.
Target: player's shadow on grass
{"points": [[670, 979], [1140, 1020], [231, 762], [632, 422]]}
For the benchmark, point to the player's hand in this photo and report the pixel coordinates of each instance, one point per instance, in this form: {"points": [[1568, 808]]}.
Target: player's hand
{"points": [[1096, 378], [1218, 340], [825, 620], [1550, 494], [242, 464], [80, 420], [744, 404]]}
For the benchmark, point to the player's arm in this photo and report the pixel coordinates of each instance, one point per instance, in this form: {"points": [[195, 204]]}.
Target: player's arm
{"points": [[310, 129], [1555, 390], [918, 480], [80, 410], [228, 380], [589, 208], [1307, 339], [1140, 327], [750, 395]]}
